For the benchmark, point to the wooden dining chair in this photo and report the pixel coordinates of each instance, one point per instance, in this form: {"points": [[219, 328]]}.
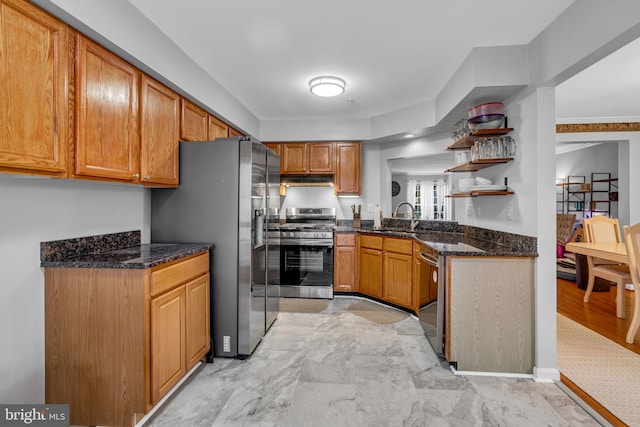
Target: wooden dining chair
{"points": [[632, 242], [601, 229]]}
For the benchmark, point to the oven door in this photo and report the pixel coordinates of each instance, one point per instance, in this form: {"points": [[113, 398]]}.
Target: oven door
{"points": [[306, 269]]}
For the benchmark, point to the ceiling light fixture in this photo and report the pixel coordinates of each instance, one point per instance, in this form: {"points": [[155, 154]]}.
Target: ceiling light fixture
{"points": [[327, 86]]}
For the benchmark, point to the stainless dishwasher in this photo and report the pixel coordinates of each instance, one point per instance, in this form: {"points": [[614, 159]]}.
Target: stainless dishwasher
{"points": [[432, 288]]}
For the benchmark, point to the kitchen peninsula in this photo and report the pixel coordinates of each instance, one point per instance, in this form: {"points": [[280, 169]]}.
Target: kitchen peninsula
{"points": [[471, 288], [124, 323]]}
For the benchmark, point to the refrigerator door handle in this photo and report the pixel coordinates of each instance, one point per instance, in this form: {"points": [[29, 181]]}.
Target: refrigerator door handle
{"points": [[258, 221]]}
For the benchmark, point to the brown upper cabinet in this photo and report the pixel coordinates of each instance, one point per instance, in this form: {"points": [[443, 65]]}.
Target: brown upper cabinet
{"points": [[159, 133], [340, 159], [307, 158], [193, 122], [348, 176], [234, 132], [277, 148], [107, 139], [34, 67], [198, 125], [127, 126], [218, 129]]}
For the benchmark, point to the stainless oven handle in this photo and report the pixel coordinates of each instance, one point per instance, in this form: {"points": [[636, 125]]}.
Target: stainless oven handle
{"points": [[325, 243], [429, 259]]}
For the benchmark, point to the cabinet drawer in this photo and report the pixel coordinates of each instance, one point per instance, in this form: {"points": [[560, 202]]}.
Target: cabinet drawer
{"points": [[374, 242], [345, 239], [403, 246], [169, 277]]}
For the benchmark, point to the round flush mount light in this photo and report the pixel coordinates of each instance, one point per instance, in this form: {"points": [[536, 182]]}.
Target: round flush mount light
{"points": [[327, 86]]}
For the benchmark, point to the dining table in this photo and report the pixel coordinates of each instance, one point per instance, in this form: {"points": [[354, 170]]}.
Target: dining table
{"points": [[616, 252]]}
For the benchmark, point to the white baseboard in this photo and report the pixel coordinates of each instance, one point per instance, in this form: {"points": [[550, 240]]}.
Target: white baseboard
{"points": [[166, 397]]}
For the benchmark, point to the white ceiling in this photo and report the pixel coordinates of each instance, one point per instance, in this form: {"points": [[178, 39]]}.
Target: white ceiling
{"points": [[393, 54], [609, 90]]}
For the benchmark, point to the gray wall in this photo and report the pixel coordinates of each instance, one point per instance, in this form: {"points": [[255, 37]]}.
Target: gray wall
{"points": [[36, 210], [598, 158]]}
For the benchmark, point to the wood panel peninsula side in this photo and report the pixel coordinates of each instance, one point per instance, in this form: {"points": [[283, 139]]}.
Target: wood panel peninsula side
{"points": [[122, 326]]}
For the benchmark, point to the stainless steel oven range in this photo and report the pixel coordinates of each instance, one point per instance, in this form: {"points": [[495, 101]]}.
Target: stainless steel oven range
{"points": [[306, 253]]}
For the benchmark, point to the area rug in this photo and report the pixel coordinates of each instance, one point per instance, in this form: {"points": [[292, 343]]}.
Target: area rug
{"points": [[377, 313], [303, 305], [601, 368]]}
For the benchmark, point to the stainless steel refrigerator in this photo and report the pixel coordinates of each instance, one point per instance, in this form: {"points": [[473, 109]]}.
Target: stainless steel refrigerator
{"points": [[229, 195]]}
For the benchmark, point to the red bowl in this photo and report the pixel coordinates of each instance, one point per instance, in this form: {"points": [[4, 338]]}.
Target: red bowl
{"points": [[488, 108]]}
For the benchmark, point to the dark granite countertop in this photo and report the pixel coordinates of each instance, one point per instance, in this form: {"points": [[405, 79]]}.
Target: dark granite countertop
{"points": [[118, 250], [466, 241]]}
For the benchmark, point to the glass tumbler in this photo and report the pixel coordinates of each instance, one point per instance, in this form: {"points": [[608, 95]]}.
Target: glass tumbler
{"points": [[509, 146]]}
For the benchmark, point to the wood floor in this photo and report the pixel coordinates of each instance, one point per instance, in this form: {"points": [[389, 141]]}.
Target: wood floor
{"points": [[599, 315]]}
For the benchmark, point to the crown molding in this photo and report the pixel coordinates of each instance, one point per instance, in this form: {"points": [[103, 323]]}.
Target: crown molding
{"points": [[598, 127]]}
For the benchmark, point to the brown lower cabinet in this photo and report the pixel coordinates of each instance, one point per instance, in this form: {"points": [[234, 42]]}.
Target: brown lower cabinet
{"points": [[386, 270], [370, 265], [117, 340], [345, 261]]}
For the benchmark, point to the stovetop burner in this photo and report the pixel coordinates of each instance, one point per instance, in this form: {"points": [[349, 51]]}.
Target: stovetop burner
{"points": [[309, 218], [308, 224]]}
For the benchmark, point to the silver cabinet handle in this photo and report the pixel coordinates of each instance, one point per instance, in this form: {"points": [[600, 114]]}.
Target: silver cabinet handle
{"points": [[136, 175]]}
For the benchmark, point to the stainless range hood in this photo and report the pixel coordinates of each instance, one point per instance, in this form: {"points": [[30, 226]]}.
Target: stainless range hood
{"points": [[306, 180]]}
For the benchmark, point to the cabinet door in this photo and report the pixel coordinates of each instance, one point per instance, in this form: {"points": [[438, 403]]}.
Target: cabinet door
{"points": [[234, 132], [348, 177], [198, 334], [294, 159], [371, 272], [217, 129], [397, 278], [194, 122], [344, 269], [107, 141], [320, 157], [277, 148], [168, 364], [159, 133], [33, 105]]}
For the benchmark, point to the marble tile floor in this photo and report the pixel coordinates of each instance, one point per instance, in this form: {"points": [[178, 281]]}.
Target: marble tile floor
{"points": [[335, 369]]}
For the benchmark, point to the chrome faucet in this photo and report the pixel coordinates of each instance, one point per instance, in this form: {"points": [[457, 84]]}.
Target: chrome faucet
{"points": [[414, 220]]}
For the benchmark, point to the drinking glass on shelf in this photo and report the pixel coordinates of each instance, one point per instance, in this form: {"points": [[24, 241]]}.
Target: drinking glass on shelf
{"points": [[508, 145], [474, 151], [482, 148], [496, 148]]}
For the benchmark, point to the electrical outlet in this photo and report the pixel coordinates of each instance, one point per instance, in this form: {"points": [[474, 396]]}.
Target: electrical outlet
{"points": [[478, 211], [226, 344], [370, 207], [509, 212], [469, 208]]}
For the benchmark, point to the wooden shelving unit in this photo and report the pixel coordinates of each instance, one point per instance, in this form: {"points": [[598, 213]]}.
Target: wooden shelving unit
{"points": [[582, 197], [466, 142], [481, 193], [602, 187], [475, 165]]}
